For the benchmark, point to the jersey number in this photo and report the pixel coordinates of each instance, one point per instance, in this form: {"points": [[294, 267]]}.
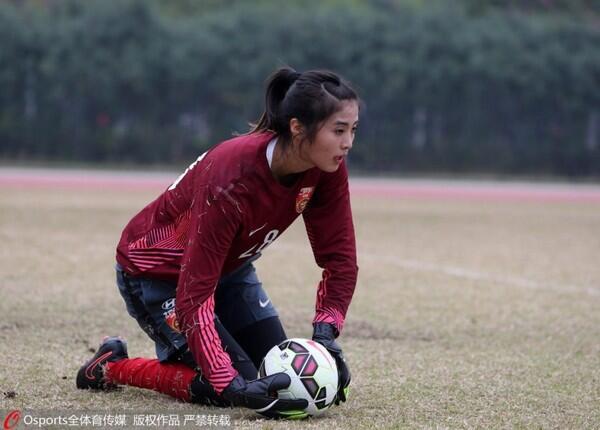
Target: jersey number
{"points": [[269, 239]]}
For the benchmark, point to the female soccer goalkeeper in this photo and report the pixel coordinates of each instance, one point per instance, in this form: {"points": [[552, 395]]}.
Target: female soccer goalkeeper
{"points": [[185, 261]]}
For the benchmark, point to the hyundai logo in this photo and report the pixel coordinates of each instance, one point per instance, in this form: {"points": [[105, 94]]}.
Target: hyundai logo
{"points": [[168, 304]]}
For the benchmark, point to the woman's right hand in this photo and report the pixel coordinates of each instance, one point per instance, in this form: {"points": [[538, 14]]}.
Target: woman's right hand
{"points": [[260, 395]]}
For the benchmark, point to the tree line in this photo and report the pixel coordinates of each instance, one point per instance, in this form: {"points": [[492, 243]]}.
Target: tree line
{"points": [[448, 86]]}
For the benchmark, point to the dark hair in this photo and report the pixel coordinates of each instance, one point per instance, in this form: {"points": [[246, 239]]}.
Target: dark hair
{"points": [[311, 97]]}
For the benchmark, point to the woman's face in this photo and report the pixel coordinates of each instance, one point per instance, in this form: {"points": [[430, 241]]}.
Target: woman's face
{"points": [[334, 139]]}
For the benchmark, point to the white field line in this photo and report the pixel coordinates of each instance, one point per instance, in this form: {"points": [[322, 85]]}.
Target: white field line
{"points": [[473, 275], [465, 273]]}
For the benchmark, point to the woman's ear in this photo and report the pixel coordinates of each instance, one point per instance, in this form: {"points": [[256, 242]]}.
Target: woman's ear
{"points": [[296, 128]]}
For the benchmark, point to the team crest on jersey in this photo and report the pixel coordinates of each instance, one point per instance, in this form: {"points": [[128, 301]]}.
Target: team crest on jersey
{"points": [[171, 320], [303, 198]]}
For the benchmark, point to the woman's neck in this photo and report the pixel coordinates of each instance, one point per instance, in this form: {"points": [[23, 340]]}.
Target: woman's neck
{"points": [[287, 163]]}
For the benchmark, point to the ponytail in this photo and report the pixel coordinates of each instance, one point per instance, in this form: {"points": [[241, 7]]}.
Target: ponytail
{"points": [[278, 85], [310, 97]]}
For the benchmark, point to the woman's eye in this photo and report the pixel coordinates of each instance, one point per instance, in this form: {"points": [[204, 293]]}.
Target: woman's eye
{"points": [[339, 132]]}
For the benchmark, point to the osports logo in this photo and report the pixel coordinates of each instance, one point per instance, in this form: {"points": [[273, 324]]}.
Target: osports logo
{"points": [[11, 420]]}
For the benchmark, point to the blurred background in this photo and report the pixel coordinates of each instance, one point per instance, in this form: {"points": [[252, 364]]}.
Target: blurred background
{"points": [[450, 87]]}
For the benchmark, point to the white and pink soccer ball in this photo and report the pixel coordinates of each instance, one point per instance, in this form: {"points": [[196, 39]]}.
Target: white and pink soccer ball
{"points": [[311, 368]]}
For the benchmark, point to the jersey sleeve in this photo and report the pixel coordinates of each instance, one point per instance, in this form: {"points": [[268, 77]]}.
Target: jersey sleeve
{"points": [[328, 221], [213, 226]]}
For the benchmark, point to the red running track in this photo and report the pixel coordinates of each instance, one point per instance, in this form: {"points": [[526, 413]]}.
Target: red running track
{"points": [[363, 187]]}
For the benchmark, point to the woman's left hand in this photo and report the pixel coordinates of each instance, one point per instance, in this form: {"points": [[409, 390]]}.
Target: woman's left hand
{"points": [[324, 333]]}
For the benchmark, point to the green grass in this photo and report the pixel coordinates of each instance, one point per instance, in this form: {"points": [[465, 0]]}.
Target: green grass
{"points": [[466, 315]]}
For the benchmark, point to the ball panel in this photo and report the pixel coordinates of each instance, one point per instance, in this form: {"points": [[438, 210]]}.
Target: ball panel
{"points": [[283, 345], [296, 347], [311, 367], [298, 362], [322, 404], [311, 386], [322, 394]]}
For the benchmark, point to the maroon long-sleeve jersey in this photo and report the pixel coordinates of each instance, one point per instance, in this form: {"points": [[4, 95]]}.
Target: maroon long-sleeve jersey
{"points": [[225, 209]]}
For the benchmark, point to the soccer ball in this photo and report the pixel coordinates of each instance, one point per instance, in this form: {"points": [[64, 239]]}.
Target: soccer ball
{"points": [[311, 368]]}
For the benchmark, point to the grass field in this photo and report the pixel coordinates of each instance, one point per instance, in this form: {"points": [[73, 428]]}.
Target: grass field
{"points": [[468, 313]]}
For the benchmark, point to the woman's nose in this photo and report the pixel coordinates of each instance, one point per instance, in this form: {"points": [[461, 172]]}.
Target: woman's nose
{"points": [[347, 144]]}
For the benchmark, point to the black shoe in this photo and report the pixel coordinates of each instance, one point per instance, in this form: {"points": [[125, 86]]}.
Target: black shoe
{"points": [[91, 374]]}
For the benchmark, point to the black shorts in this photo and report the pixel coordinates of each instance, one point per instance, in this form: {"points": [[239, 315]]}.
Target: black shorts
{"points": [[240, 302]]}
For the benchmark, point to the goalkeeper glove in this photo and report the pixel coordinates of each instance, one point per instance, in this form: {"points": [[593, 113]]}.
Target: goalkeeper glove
{"points": [[261, 396], [324, 333]]}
